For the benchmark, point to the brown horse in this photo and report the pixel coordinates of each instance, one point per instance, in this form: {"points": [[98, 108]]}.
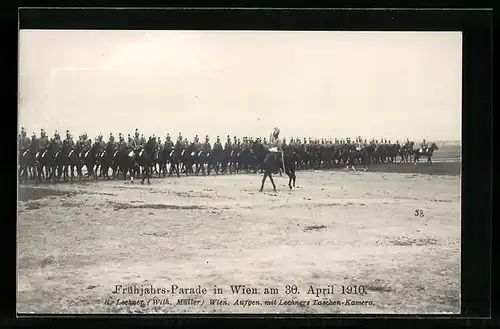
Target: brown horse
{"points": [[425, 153]]}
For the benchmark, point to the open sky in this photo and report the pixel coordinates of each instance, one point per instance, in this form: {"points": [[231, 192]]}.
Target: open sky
{"points": [[309, 84]]}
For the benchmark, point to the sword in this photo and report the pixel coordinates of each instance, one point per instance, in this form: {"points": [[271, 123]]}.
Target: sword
{"points": [[283, 159]]}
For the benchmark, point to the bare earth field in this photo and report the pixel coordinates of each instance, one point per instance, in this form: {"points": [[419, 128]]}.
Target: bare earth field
{"points": [[77, 241]]}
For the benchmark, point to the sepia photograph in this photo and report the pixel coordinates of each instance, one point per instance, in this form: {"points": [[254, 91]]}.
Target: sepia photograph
{"points": [[230, 172]]}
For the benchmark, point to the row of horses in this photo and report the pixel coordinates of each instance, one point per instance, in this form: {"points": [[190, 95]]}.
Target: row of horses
{"points": [[65, 161]]}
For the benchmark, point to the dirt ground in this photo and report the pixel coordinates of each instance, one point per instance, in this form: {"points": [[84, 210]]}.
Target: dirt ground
{"points": [[394, 236]]}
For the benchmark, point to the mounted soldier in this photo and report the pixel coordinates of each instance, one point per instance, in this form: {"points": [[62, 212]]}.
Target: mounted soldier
{"points": [[136, 138], [69, 140], [228, 146], [111, 139], [206, 147], [160, 144], [218, 145], [168, 142], [423, 146], [57, 140], [131, 142], [197, 144], [44, 140]]}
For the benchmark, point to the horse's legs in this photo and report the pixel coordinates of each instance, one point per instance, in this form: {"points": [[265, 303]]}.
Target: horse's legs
{"points": [[20, 173], [263, 180], [144, 173], [272, 181]]}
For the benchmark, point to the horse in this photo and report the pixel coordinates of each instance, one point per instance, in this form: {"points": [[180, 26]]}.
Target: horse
{"points": [[62, 160], [189, 157], [45, 159], [125, 162], [226, 159], [163, 159], [106, 160], [89, 160], [27, 161], [144, 158], [205, 157], [75, 161], [404, 152], [235, 159], [366, 155], [175, 158], [427, 153], [271, 162], [217, 159]]}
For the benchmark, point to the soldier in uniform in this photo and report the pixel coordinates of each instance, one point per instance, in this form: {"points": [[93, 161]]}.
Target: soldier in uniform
{"points": [[44, 140], [112, 139], [423, 145], [131, 142], [168, 142], [283, 144], [121, 141], [207, 148], [275, 141], [137, 139], [159, 143], [69, 140], [265, 141], [57, 139], [100, 141], [23, 133], [88, 142], [143, 140], [218, 145], [25, 141], [228, 146], [235, 142], [197, 144]]}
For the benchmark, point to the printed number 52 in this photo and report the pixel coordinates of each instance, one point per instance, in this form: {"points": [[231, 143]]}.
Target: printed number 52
{"points": [[419, 213]]}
